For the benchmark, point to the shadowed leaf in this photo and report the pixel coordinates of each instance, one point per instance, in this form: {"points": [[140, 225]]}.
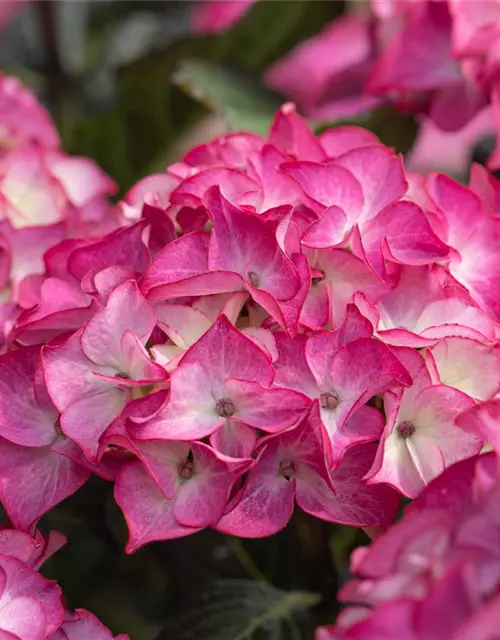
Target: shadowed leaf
{"points": [[241, 610]]}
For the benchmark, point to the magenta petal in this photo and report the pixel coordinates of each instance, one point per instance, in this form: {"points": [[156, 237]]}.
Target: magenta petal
{"points": [[190, 413], [353, 503], [291, 135], [234, 440], [149, 514], [24, 582], [408, 234], [483, 421], [86, 419], [328, 185], [365, 368], [291, 368], [328, 231], [380, 173], [271, 410], [162, 461], [242, 243], [22, 419], [122, 248], [181, 268], [24, 617], [137, 361], [83, 625], [224, 352], [33, 480], [322, 346], [126, 310], [201, 499], [231, 182], [266, 501], [342, 139]]}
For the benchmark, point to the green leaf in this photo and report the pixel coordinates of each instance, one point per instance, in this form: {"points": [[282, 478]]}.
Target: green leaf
{"points": [[242, 101], [241, 610]]}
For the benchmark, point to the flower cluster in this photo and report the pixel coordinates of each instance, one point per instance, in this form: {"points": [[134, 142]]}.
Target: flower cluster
{"points": [[31, 607], [435, 573], [435, 58], [270, 322], [281, 321], [428, 56]]}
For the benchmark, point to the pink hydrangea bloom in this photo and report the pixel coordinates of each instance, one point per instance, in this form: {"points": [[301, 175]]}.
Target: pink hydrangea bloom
{"points": [[434, 58], [272, 321], [435, 560], [326, 86]]}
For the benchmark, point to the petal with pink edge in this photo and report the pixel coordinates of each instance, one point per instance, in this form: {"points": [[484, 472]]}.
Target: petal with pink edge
{"points": [[126, 310], [270, 410], [148, 513], [22, 419], [34, 480], [265, 504]]}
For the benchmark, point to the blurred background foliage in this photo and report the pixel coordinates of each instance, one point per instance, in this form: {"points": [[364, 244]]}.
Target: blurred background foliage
{"points": [[131, 87]]}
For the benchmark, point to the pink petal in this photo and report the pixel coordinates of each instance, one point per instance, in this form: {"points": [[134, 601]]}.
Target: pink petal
{"points": [[214, 16], [328, 231], [85, 626], [81, 178], [408, 234], [231, 182], [234, 440], [419, 57], [25, 618], [224, 352], [482, 421], [362, 369], [291, 135], [276, 188], [183, 325], [380, 173], [22, 581], [201, 499], [467, 365], [34, 480], [242, 243], [353, 503], [190, 413], [266, 501], [181, 268], [347, 277], [328, 185], [270, 410], [339, 140], [318, 81], [322, 346], [29, 189], [138, 364], [148, 513], [22, 419], [86, 419], [162, 461], [291, 368], [127, 310], [124, 247]]}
